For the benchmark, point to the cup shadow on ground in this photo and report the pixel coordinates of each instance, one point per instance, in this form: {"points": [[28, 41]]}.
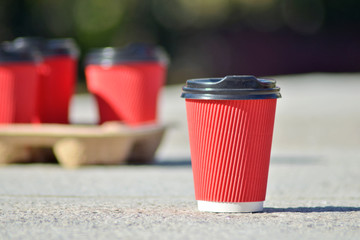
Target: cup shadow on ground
{"points": [[173, 162], [297, 160], [312, 209]]}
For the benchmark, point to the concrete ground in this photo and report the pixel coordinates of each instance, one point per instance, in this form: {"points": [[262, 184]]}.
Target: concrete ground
{"points": [[313, 189]]}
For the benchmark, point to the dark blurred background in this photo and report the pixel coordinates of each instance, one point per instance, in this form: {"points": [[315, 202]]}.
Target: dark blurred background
{"points": [[204, 38]]}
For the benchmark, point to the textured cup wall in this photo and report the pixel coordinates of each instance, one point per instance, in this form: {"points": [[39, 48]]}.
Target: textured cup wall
{"points": [[57, 83], [18, 89], [128, 92], [230, 142]]}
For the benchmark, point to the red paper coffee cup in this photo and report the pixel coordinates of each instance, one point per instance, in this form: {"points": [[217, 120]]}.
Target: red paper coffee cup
{"points": [[18, 85], [57, 75], [126, 82], [230, 124]]}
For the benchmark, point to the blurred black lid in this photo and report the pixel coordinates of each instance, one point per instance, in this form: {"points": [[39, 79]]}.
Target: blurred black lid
{"points": [[8, 53], [136, 52], [29, 42], [240, 87], [49, 47], [61, 46]]}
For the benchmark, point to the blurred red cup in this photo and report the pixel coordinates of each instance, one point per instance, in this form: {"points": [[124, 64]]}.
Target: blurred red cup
{"points": [[57, 74], [18, 85], [126, 82], [230, 124]]}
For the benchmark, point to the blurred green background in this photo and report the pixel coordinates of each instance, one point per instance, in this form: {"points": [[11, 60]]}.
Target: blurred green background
{"points": [[204, 38]]}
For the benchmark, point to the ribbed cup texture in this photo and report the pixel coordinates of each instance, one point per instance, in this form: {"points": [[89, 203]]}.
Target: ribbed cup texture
{"points": [[56, 87], [230, 142], [126, 92], [18, 89]]}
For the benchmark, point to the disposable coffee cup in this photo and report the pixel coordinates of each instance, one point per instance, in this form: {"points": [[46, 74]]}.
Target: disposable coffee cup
{"points": [[57, 75], [126, 82], [18, 84], [230, 123]]}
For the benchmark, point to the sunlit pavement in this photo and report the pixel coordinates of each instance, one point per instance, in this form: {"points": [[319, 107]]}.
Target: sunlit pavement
{"points": [[313, 189]]}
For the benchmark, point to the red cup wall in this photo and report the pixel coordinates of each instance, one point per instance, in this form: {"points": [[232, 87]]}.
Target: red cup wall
{"points": [[57, 83], [126, 92], [18, 91], [230, 143]]}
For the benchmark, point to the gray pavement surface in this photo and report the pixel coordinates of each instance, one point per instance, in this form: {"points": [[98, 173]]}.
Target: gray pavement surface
{"points": [[313, 189]]}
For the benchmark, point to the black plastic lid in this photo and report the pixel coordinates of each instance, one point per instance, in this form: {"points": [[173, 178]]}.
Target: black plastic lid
{"points": [[136, 52], [36, 43], [240, 87], [50, 47], [61, 47], [9, 54]]}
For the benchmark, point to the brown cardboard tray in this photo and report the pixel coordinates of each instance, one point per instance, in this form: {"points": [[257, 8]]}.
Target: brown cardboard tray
{"points": [[77, 145]]}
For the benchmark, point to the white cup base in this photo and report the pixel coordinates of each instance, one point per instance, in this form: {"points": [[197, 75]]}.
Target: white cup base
{"points": [[207, 206]]}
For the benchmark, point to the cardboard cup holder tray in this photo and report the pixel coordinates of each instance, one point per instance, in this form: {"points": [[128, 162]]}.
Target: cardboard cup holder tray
{"points": [[77, 145]]}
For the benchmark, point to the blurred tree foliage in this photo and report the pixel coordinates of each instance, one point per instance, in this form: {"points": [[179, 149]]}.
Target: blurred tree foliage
{"points": [[203, 37]]}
